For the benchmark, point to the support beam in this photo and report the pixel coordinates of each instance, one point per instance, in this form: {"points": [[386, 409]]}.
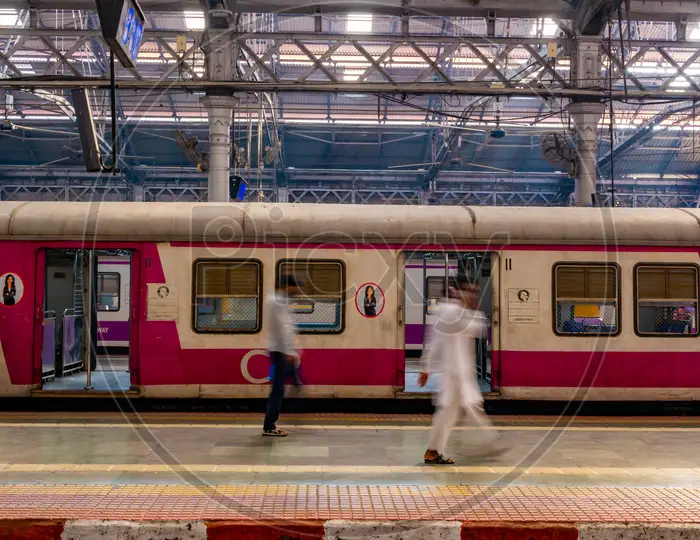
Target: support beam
{"points": [[427, 88], [666, 161], [586, 117], [220, 111], [431, 52], [221, 54], [621, 70], [645, 10], [585, 63], [541, 8], [585, 113], [592, 16], [152, 34], [641, 134]]}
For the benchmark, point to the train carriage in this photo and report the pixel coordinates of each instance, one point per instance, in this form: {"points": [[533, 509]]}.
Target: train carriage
{"points": [[584, 303]]}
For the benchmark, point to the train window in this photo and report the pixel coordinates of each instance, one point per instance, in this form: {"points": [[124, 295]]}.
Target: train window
{"points": [[108, 286], [321, 309], [667, 300], [228, 296], [587, 299]]}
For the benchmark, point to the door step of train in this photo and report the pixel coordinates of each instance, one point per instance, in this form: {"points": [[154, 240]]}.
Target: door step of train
{"points": [[429, 395], [414, 395], [84, 393]]}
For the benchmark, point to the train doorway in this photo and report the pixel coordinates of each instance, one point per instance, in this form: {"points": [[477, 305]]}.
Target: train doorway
{"points": [[86, 342], [425, 275]]}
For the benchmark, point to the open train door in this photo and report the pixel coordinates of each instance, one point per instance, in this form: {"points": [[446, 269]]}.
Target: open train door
{"points": [[425, 275], [89, 332]]}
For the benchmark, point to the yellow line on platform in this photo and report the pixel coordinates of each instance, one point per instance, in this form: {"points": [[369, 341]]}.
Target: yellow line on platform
{"points": [[363, 427], [347, 469]]}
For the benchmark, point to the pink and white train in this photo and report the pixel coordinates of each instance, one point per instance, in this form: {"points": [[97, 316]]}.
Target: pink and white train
{"points": [[594, 304]]}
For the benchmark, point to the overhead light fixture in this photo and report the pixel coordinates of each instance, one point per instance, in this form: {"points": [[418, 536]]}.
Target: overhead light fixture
{"points": [[194, 20], [9, 17], [359, 23]]}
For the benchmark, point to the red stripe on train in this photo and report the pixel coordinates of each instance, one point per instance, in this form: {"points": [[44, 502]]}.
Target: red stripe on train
{"points": [[164, 362], [573, 369]]}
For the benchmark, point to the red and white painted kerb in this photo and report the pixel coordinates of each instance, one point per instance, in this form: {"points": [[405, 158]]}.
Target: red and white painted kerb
{"points": [[340, 530]]}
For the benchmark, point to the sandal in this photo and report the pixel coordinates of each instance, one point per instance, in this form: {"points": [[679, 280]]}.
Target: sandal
{"points": [[274, 433], [439, 460]]}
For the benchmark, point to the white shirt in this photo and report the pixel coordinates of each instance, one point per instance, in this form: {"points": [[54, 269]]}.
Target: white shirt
{"points": [[281, 330], [451, 350]]}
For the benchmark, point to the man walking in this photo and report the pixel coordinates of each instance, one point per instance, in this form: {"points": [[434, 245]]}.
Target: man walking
{"points": [[451, 351], [282, 348]]}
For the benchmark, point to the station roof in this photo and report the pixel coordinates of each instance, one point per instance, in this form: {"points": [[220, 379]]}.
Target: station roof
{"points": [[368, 136]]}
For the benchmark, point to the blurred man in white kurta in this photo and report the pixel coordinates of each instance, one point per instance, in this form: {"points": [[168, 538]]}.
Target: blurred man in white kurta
{"points": [[451, 351]]}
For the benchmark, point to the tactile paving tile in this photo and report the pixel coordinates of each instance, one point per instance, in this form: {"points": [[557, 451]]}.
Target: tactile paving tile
{"points": [[304, 502]]}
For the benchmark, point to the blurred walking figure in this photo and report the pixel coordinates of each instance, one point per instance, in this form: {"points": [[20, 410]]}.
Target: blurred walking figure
{"points": [[282, 348], [451, 350]]}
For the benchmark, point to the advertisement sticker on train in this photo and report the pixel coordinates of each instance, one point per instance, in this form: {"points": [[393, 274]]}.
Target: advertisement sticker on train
{"points": [[12, 289], [162, 302], [524, 306], [369, 300]]}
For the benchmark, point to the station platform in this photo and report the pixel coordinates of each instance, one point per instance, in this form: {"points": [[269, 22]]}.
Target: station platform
{"points": [[166, 475]]}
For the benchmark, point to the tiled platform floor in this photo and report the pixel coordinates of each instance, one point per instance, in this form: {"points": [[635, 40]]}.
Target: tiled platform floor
{"points": [[261, 502], [216, 466]]}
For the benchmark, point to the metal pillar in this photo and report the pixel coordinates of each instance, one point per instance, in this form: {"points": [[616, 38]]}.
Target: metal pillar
{"points": [[585, 63], [87, 314], [221, 52], [447, 275], [137, 193], [220, 111], [282, 194], [585, 74], [586, 116]]}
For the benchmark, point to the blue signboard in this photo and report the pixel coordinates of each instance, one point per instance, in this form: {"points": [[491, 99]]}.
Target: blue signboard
{"points": [[131, 32], [136, 41], [127, 26], [237, 188], [241, 191], [122, 24]]}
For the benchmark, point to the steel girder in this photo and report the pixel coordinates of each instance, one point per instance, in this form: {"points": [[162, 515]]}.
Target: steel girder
{"points": [[63, 193], [192, 192], [641, 134], [316, 62], [645, 10]]}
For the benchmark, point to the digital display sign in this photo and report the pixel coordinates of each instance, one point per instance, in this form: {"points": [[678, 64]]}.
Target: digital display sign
{"points": [[237, 188], [131, 31], [122, 24]]}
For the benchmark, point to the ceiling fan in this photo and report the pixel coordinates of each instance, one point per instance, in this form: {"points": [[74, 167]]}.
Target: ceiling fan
{"points": [[188, 145], [557, 151]]}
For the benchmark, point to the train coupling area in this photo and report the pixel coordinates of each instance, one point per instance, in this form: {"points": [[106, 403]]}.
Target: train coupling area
{"points": [[339, 476]]}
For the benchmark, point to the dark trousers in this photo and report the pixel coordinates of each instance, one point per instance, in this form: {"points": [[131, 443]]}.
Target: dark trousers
{"points": [[283, 369]]}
